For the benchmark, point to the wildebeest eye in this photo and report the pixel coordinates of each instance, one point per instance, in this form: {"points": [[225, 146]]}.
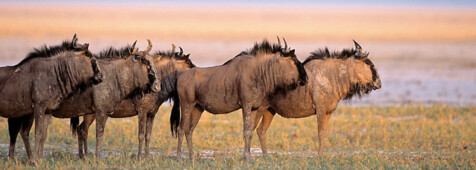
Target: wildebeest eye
{"points": [[146, 62]]}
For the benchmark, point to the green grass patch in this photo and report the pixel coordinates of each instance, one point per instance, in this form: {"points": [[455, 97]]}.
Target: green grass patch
{"points": [[412, 137]]}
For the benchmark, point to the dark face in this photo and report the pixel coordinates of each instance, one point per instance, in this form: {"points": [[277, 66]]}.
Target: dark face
{"points": [[187, 61], [376, 82], [151, 70], [303, 79], [84, 48], [184, 60]]}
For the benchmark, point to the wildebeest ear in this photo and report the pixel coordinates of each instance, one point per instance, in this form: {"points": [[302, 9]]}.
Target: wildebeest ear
{"points": [[186, 56], [85, 46], [291, 53]]}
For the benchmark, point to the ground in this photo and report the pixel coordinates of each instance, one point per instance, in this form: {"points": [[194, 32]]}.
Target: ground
{"points": [[424, 55], [359, 137]]}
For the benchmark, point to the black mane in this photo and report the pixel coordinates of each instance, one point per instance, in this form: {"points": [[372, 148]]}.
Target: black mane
{"points": [[45, 51], [264, 47], [358, 89], [322, 54], [165, 54], [174, 55], [113, 53]]}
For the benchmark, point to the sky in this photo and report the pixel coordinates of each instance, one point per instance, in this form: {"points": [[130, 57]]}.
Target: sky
{"points": [[461, 3]]}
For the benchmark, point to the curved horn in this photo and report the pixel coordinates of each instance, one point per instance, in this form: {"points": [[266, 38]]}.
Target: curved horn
{"points": [[279, 42], [133, 48], [358, 48], [74, 42], [285, 44], [173, 48], [181, 50], [149, 47]]}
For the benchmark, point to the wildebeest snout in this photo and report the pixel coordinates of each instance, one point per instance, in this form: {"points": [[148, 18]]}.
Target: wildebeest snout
{"points": [[377, 84], [155, 86]]}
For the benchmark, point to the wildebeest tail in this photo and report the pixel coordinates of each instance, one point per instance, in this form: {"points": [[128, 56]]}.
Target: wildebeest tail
{"points": [[175, 116], [74, 125]]}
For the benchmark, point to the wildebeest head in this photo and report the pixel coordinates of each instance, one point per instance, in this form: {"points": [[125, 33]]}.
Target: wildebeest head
{"points": [[145, 59], [176, 60], [170, 64], [79, 47], [289, 55], [77, 68], [184, 59], [83, 50], [363, 74]]}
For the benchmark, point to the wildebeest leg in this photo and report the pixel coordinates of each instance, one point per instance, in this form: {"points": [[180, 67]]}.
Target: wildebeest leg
{"points": [[101, 119], [14, 125], [196, 114], [322, 127], [263, 127], [248, 122], [150, 124], [26, 125], [83, 131], [45, 133], [40, 125], [142, 126], [183, 126]]}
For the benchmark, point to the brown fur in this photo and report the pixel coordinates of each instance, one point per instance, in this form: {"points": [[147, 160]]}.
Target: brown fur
{"points": [[169, 66], [244, 82], [39, 83], [332, 77], [126, 74], [126, 84]]}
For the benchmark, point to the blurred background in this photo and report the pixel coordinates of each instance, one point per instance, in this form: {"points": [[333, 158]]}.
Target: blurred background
{"points": [[424, 50]]}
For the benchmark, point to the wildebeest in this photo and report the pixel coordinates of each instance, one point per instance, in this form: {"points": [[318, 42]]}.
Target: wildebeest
{"points": [[243, 82], [126, 73], [41, 82], [332, 77], [169, 66]]}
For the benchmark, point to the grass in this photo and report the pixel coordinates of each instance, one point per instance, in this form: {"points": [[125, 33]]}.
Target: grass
{"points": [[412, 137]]}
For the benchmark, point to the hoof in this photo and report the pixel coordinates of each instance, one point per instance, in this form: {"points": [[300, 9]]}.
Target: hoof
{"points": [[247, 158], [178, 158], [32, 163]]}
